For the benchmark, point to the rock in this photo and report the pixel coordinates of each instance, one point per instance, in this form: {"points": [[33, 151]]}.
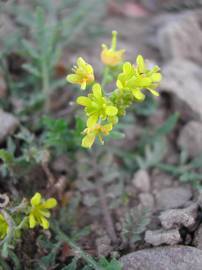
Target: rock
{"points": [[175, 38], [169, 198], [198, 238], [141, 181], [164, 258], [190, 138], [9, 123], [182, 80], [159, 237], [176, 218], [147, 200], [103, 246]]}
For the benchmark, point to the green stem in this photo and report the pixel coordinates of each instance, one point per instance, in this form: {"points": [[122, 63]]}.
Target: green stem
{"points": [[105, 76], [77, 249], [22, 223], [46, 84]]}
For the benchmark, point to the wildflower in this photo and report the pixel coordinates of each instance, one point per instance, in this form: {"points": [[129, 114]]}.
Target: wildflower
{"points": [[97, 106], [39, 211], [83, 74], [153, 74], [3, 227], [128, 80], [92, 132], [111, 56], [135, 79]]}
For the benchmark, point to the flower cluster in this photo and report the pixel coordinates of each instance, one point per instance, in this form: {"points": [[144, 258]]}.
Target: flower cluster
{"points": [[103, 109], [39, 211], [26, 215]]}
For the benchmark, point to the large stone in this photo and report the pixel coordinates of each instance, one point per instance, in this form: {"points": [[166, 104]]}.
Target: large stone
{"points": [[169, 198], [176, 218], [8, 124], [190, 138], [182, 80], [175, 38], [159, 237], [141, 181], [164, 258]]}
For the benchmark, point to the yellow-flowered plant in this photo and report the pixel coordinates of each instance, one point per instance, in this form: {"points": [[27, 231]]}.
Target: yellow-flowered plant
{"points": [[3, 227], [39, 212], [96, 131], [103, 109], [26, 215], [83, 74], [97, 106], [111, 56]]}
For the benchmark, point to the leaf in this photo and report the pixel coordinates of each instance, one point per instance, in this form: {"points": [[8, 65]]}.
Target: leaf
{"points": [[7, 157], [32, 70], [153, 154], [135, 223], [168, 126], [72, 265], [109, 265]]}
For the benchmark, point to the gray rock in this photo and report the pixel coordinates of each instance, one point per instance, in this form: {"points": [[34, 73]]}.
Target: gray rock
{"points": [[169, 198], [175, 218], [182, 80], [190, 138], [8, 124], [141, 181], [198, 238], [159, 237], [103, 245], [146, 200], [175, 38], [164, 258]]}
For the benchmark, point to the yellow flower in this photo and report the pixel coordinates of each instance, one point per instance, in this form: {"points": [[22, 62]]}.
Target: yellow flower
{"points": [[111, 56], [135, 79], [153, 74], [39, 211], [97, 106], [3, 227], [92, 132], [83, 74]]}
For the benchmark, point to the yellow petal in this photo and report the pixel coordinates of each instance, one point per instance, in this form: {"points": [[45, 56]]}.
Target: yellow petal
{"points": [[44, 223], [119, 84], [154, 92], [156, 77], [36, 199], [108, 127], [72, 78], [84, 101], [140, 63], [88, 140], [97, 91], [32, 221], [138, 95], [111, 110], [81, 62], [50, 203], [127, 67], [92, 120]]}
